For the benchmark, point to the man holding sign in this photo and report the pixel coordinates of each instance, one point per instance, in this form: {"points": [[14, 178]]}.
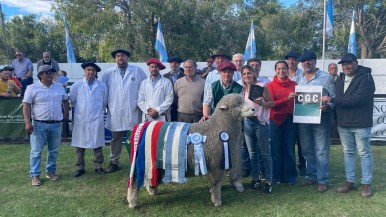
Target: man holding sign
{"points": [[315, 135]]}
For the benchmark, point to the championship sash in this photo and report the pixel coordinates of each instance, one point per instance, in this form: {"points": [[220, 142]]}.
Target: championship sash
{"points": [[154, 140], [179, 153], [148, 155], [161, 142], [167, 152]]}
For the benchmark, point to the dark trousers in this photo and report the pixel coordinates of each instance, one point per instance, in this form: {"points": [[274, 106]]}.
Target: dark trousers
{"points": [[189, 118], [98, 158], [302, 161], [25, 83]]}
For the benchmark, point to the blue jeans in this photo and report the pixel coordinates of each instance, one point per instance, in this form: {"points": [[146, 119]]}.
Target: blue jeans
{"points": [[315, 140], [256, 137], [44, 133], [353, 138], [283, 139]]}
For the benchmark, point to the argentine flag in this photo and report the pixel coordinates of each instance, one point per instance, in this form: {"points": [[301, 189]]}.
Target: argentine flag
{"points": [[352, 42], [160, 44], [330, 18], [250, 49], [70, 50]]}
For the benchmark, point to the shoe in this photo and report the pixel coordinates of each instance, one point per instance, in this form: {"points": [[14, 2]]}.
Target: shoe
{"points": [[79, 173], [255, 184], [348, 186], [267, 189], [322, 188], [366, 190], [303, 173], [245, 173], [52, 176], [100, 171], [112, 168], [262, 176], [309, 182], [35, 181]]}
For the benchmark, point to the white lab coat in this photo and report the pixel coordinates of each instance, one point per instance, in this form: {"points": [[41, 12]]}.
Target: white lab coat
{"points": [[160, 97], [123, 113], [89, 106]]}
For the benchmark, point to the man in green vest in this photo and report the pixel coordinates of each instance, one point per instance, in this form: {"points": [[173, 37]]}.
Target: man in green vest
{"points": [[226, 85]]}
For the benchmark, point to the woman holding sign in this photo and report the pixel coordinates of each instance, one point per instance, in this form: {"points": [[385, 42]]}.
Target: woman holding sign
{"points": [[283, 130], [256, 128]]}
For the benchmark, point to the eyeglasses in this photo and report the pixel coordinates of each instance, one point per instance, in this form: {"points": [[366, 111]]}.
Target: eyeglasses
{"points": [[18, 54]]}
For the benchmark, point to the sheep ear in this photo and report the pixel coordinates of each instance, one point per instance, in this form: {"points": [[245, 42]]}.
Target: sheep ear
{"points": [[224, 107]]}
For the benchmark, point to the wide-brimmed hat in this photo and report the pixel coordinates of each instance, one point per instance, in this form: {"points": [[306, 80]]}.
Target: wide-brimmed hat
{"points": [[155, 61], [120, 51], [226, 65], [348, 57], [221, 52], [96, 67], [307, 55]]}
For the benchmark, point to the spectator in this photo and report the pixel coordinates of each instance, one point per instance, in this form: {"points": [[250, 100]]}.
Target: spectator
{"points": [[256, 64], [89, 99], [283, 131], [48, 61], [7, 86], [23, 70], [47, 104], [239, 61], [122, 81], [62, 78], [293, 71], [354, 107], [189, 92], [333, 70], [256, 129], [155, 95], [11, 77], [315, 138], [209, 67]]}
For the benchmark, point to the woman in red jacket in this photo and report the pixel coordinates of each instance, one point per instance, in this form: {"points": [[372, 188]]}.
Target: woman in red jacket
{"points": [[283, 131]]}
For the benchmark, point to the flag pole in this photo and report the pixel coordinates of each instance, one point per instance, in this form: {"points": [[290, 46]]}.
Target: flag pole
{"points": [[324, 35]]}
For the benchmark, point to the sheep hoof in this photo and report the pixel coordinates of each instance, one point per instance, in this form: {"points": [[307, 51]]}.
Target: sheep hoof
{"points": [[132, 206], [151, 191], [217, 204]]}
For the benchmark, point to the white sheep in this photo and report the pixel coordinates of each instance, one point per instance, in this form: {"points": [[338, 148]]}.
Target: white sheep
{"points": [[227, 117]]}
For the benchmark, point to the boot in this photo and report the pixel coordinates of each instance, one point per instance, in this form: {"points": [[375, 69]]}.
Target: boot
{"points": [[348, 186], [366, 190]]}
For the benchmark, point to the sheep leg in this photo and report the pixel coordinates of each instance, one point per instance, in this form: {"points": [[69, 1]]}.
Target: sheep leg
{"points": [[151, 191], [215, 191], [132, 196]]}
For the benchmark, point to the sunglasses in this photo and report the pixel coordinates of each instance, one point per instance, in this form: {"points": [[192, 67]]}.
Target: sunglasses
{"points": [[18, 55]]}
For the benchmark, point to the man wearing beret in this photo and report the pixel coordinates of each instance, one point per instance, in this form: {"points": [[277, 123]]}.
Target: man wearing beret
{"points": [[315, 138], [209, 67], [46, 103], [176, 73], [122, 81], [155, 95], [354, 108], [226, 85], [89, 99]]}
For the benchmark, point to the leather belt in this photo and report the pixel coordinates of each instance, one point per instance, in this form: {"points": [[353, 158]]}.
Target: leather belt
{"points": [[48, 122]]}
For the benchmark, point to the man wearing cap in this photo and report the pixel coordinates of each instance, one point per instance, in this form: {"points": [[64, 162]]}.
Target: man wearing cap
{"points": [[89, 99], [219, 57], [7, 86], [48, 61], [176, 73], [226, 85], [189, 92], [293, 70], [209, 67], [46, 103], [155, 95], [23, 70], [122, 81], [354, 102], [315, 138], [11, 77]]}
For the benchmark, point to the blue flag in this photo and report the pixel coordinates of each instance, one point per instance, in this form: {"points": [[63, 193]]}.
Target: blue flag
{"points": [[250, 48], [70, 50], [329, 18], [160, 43], [352, 43]]}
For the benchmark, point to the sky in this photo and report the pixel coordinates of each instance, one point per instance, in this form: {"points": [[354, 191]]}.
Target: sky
{"points": [[43, 7]]}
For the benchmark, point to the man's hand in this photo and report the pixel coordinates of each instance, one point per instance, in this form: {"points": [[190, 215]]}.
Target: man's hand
{"points": [[29, 128], [326, 99], [203, 119], [153, 113]]}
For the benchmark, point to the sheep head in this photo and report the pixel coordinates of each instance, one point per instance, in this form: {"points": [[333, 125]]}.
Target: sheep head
{"points": [[234, 105]]}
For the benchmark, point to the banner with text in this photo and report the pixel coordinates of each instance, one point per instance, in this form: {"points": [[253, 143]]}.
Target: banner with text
{"points": [[11, 118], [307, 103], [378, 131]]}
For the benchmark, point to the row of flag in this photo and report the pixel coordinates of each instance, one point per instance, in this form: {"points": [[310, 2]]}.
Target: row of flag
{"points": [[250, 48]]}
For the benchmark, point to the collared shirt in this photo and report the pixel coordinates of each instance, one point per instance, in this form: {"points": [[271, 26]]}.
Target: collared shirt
{"points": [[347, 81], [174, 77], [320, 78], [214, 76], [298, 72], [209, 97], [46, 102], [90, 83], [22, 67], [155, 80]]}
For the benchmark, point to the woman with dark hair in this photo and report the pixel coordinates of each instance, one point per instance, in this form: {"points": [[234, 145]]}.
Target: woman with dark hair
{"points": [[283, 131], [256, 128]]}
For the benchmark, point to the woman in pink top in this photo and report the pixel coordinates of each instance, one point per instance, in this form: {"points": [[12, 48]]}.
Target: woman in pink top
{"points": [[283, 130], [256, 129]]}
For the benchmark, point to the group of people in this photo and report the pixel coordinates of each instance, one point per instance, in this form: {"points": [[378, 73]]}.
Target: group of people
{"points": [[130, 97]]}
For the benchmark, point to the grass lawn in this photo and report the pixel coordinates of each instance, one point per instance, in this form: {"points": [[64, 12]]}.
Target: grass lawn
{"points": [[96, 195]]}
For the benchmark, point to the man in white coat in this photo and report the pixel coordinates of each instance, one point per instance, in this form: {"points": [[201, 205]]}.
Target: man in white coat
{"points": [[89, 99], [122, 82], [155, 95]]}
